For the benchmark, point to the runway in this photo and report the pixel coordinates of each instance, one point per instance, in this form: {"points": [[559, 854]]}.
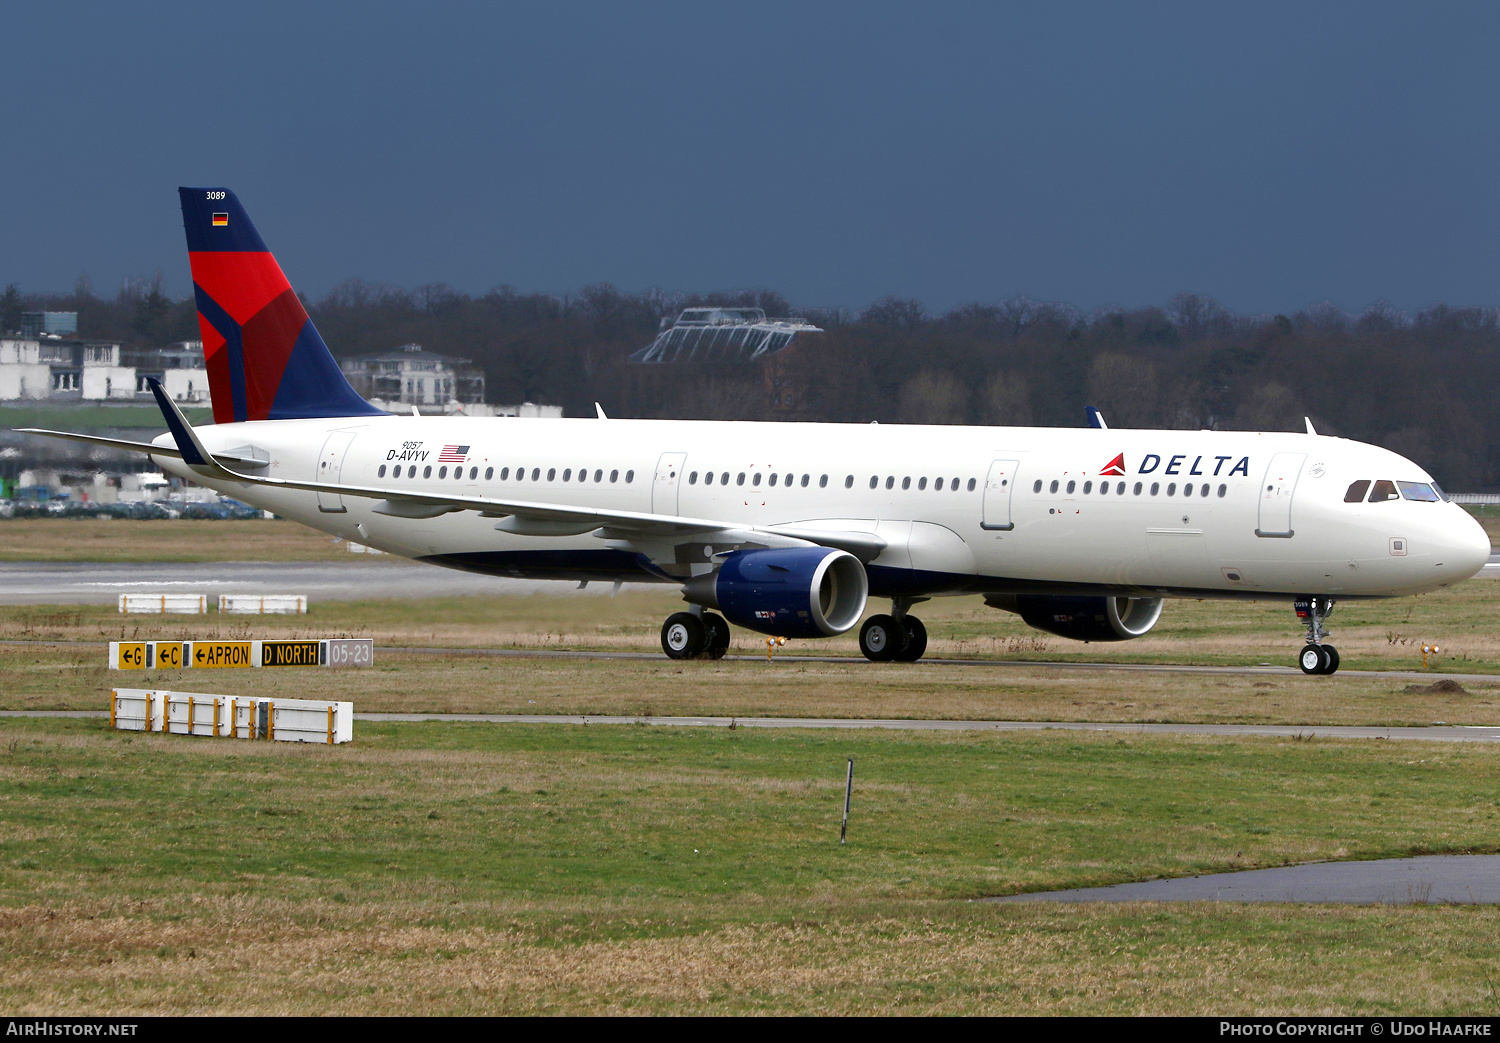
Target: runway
{"points": [[1435, 733], [91, 583], [29, 583], [1428, 879]]}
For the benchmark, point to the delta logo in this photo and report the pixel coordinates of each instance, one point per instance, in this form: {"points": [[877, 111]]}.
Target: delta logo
{"points": [[1151, 461]]}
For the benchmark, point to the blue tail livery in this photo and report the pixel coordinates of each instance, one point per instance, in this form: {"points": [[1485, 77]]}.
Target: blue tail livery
{"points": [[265, 358]]}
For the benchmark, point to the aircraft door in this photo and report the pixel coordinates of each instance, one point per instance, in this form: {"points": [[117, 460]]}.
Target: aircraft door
{"points": [[330, 467], [1276, 495], [665, 485], [998, 488]]}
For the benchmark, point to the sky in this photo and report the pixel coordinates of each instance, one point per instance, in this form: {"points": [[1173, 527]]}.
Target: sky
{"points": [[1273, 156]]}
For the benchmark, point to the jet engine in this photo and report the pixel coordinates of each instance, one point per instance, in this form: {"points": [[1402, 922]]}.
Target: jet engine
{"points": [[796, 592], [1082, 618]]}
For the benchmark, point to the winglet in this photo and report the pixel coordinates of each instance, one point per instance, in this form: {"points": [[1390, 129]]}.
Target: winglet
{"points": [[193, 453], [1096, 418]]}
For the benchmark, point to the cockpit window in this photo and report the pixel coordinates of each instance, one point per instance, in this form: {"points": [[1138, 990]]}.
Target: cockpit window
{"points": [[1383, 491], [1418, 491], [1439, 490], [1356, 493]]}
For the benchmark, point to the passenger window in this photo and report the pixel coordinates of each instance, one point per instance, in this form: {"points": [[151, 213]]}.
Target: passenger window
{"points": [[599, 475], [1203, 491], [1103, 488], [1171, 488], [708, 478], [536, 474], [1417, 491], [740, 478], [1088, 487], [693, 478], [874, 481], [890, 481], [773, 479], [629, 477], [1187, 490], [1120, 489], [442, 472], [1222, 490], [1053, 487], [1137, 489], [381, 472], [1071, 487], [489, 472], [954, 484], [551, 474], [937, 486], [906, 483], [1155, 488], [427, 471], [473, 473], [971, 485], [807, 478], [614, 476], [849, 481], [756, 479], [823, 482], [567, 475], [1383, 491]]}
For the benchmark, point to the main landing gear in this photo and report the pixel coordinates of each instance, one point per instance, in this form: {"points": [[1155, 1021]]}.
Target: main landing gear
{"points": [[695, 635], [1316, 657], [898, 637]]}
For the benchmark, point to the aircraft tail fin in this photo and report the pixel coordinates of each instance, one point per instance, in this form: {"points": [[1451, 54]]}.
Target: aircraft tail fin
{"points": [[265, 358]]}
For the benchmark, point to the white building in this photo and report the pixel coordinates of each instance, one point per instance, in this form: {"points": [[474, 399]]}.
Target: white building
{"points": [[23, 374]]}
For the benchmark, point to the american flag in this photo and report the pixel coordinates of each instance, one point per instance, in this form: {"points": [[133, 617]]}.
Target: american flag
{"points": [[453, 454]]}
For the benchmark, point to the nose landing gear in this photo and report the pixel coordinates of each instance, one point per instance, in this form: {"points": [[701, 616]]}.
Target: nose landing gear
{"points": [[1316, 657]]}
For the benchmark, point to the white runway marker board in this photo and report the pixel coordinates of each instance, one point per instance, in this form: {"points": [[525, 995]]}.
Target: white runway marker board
{"points": [[326, 722]]}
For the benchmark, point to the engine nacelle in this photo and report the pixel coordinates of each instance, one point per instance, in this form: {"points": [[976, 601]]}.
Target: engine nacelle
{"points": [[796, 592], [1081, 618]]}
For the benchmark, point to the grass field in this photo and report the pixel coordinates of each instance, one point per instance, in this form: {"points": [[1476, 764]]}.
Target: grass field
{"points": [[473, 869], [1386, 635], [483, 869], [183, 540]]}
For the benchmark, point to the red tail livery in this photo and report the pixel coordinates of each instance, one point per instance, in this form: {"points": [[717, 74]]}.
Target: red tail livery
{"points": [[265, 358]]}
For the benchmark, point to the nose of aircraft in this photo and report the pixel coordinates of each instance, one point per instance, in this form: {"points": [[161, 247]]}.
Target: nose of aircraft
{"points": [[1466, 547]]}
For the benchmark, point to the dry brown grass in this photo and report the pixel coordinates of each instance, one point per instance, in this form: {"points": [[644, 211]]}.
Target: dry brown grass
{"points": [[257, 956], [186, 539], [44, 677]]}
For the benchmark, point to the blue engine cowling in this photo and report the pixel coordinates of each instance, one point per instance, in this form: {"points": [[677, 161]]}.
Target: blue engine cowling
{"points": [[797, 592], [1082, 618]]}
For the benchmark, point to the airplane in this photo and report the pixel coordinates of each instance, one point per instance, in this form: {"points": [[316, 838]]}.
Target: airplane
{"points": [[789, 529]]}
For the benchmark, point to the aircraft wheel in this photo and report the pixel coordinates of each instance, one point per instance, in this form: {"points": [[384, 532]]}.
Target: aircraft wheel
{"points": [[1313, 660], [1333, 658], [683, 636], [718, 636], [882, 638], [916, 640]]}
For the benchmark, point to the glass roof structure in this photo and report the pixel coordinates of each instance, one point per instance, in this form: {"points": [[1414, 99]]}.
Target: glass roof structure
{"points": [[722, 335]]}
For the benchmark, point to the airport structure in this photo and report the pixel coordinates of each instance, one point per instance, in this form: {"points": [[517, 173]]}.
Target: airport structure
{"points": [[726, 335], [57, 370]]}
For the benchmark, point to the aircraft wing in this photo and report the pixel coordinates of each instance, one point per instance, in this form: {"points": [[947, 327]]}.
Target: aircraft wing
{"points": [[134, 447], [519, 517]]}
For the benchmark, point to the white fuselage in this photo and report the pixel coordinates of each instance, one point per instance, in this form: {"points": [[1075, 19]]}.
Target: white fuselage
{"points": [[961, 509]]}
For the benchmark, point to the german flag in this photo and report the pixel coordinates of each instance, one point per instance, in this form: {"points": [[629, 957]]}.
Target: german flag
{"points": [[221, 220]]}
